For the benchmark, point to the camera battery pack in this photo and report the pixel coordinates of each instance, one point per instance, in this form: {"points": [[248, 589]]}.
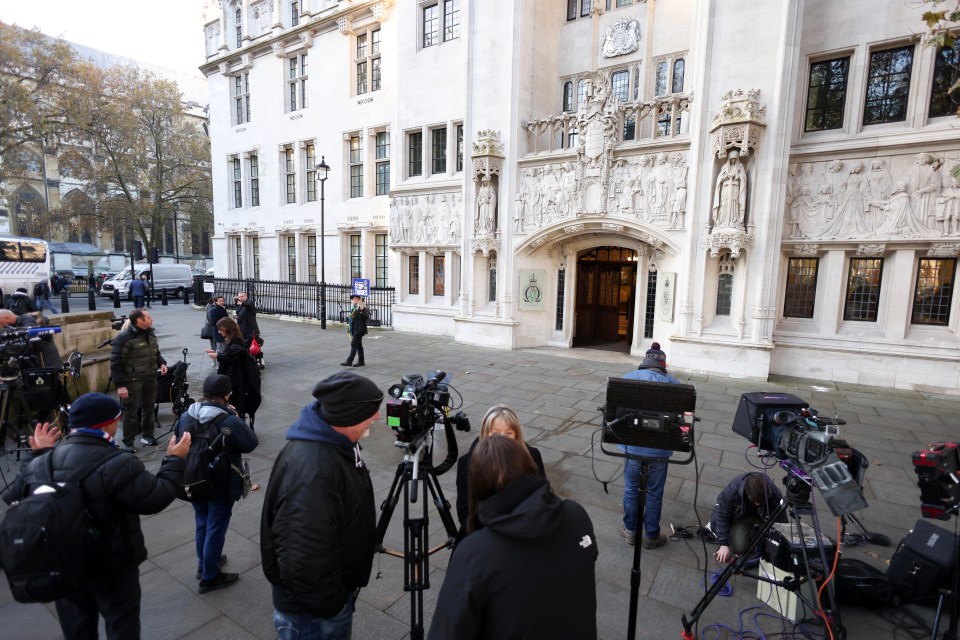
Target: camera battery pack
{"points": [[923, 561]]}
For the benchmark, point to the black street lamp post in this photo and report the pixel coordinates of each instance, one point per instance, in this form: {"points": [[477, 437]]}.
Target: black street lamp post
{"points": [[322, 169]]}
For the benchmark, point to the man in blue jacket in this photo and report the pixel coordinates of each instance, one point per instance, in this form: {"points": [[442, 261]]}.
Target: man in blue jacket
{"points": [[138, 290], [318, 528], [653, 369]]}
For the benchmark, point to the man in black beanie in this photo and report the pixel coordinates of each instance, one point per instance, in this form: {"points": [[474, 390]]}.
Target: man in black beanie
{"points": [[318, 527]]}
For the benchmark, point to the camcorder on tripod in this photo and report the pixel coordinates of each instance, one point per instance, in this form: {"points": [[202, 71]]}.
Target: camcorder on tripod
{"points": [[809, 448], [416, 406]]}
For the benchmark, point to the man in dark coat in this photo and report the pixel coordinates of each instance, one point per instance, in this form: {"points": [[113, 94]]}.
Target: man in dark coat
{"points": [[133, 369], [20, 302], [247, 321], [356, 329], [213, 516], [117, 492], [752, 495], [318, 528]]}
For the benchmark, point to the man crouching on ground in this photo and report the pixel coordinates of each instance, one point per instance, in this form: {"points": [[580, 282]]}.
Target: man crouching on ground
{"points": [[318, 528]]}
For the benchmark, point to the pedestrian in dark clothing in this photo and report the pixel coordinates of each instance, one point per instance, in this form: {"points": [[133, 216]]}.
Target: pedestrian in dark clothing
{"points": [[216, 311], [527, 568], [147, 289], [499, 420], [117, 492], [138, 289], [356, 329], [753, 495], [318, 529], [134, 360], [21, 303], [41, 292], [234, 361], [247, 319], [213, 517]]}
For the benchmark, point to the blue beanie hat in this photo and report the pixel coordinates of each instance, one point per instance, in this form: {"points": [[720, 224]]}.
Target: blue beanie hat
{"points": [[94, 411]]}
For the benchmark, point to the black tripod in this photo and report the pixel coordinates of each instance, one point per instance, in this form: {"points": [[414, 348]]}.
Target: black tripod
{"points": [[953, 594], [415, 468], [797, 497]]}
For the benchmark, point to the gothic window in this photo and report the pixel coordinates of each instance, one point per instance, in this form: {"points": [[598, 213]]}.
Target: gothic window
{"points": [[238, 22], [827, 94], [660, 80], [725, 268], [934, 291], [581, 92], [28, 212], [568, 96], [439, 275], [946, 72], [888, 85], [492, 278], [561, 283], [677, 84], [413, 275], [801, 291], [863, 289]]}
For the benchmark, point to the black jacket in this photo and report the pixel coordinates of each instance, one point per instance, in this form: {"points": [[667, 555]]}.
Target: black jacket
{"points": [[528, 573], [318, 528], [732, 504], [358, 321], [247, 318], [21, 303], [116, 493], [237, 439], [135, 356], [216, 313], [463, 473], [236, 363]]}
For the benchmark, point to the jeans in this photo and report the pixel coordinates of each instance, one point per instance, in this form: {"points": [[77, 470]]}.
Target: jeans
{"points": [[656, 482], [212, 518], [303, 626], [115, 596], [44, 303], [138, 302]]}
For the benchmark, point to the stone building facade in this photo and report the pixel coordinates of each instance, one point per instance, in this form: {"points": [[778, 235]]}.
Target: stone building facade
{"points": [[760, 189]]}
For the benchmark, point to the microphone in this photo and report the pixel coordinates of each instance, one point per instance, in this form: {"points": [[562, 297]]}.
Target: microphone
{"points": [[39, 332]]}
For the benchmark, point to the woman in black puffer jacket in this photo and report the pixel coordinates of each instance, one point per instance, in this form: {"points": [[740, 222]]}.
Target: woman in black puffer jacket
{"points": [[234, 361]]}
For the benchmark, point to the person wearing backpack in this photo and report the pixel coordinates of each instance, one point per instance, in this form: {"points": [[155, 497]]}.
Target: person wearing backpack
{"points": [[117, 489], [214, 479], [21, 303]]}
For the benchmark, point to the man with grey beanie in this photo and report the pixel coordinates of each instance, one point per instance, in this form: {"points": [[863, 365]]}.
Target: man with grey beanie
{"points": [[318, 527]]}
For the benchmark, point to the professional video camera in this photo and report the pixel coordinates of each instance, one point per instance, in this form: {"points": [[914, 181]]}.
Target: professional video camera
{"points": [[417, 404], [16, 348], [938, 475], [793, 431]]}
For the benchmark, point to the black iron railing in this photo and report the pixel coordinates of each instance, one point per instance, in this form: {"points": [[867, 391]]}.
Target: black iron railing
{"points": [[299, 299]]}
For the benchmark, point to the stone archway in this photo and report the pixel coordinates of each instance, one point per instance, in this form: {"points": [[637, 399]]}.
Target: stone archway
{"points": [[605, 298]]}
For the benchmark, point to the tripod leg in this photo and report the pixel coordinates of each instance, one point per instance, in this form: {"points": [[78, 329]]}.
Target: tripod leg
{"points": [[443, 508], [416, 565], [389, 504]]}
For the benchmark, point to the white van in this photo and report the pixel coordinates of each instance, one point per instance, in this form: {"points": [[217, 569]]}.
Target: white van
{"points": [[172, 277]]}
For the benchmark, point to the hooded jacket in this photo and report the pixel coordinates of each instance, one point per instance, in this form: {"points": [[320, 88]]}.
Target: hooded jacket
{"points": [[528, 573], [733, 504], [318, 527], [238, 439]]}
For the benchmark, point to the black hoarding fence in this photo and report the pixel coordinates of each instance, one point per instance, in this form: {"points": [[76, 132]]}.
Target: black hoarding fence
{"points": [[299, 299]]}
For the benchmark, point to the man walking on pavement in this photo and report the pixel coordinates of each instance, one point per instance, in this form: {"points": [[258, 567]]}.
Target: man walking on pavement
{"points": [[138, 290], [356, 329], [133, 369]]}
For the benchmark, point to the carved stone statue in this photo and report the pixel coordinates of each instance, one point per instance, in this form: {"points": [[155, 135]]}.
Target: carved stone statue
{"points": [[928, 187], [678, 203], [730, 198], [948, 213], [486, 208]]}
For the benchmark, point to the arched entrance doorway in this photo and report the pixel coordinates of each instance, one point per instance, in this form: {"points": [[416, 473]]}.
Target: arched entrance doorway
{"points": [[606, 287]]}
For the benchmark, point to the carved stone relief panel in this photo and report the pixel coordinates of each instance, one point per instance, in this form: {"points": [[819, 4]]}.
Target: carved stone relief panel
{"points": [[650, 188], [896, 197], [621, 37], [426, 220]]}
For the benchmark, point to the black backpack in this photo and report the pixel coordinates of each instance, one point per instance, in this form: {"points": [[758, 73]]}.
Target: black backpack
{"points": [[48, 537], [18, 304], [204, 469]]}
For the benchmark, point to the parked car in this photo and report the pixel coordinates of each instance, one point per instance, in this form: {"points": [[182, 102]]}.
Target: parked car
{"points": [[101, 278]]}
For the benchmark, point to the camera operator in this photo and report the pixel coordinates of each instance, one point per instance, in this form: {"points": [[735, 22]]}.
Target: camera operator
{"points": [[750, 495], [318, 528], [43, 349], [653, 369]]}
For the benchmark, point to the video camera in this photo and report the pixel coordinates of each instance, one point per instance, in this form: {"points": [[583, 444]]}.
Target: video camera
{"points": [[794, 432], [15, 348], [938, 475]]}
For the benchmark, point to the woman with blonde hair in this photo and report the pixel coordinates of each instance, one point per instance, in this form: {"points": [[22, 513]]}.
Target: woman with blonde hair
{"points": [[500, 420]]}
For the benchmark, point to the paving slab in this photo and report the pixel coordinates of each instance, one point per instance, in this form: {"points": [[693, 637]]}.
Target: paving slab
{"points": [[556, 393]]}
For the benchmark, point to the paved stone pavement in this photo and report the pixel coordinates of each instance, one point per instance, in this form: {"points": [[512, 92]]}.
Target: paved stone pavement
{"points": [[556, 393]]}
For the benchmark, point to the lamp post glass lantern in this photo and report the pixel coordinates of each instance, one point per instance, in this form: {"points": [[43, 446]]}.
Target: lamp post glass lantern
{"points": [[322, 170]]}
